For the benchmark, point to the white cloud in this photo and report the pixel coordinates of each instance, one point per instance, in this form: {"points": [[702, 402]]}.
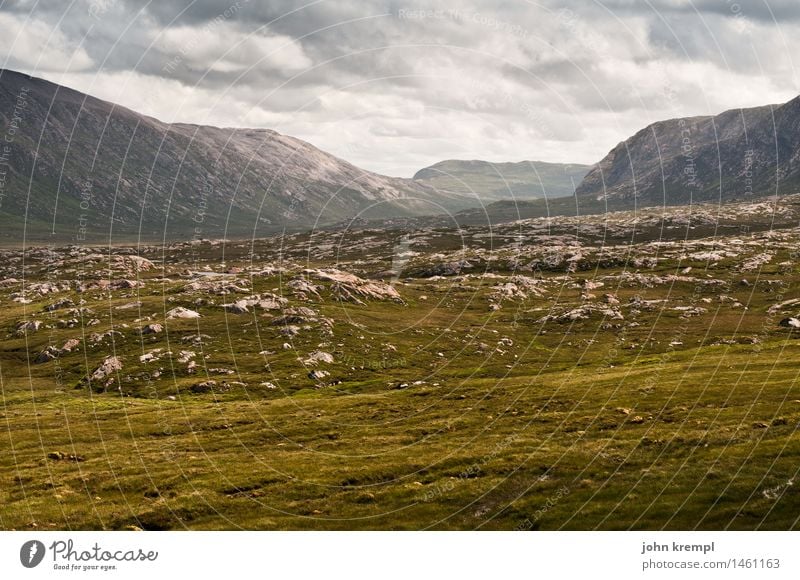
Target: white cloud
{"points": [[34, 45], [557, 80], [227, 48]]}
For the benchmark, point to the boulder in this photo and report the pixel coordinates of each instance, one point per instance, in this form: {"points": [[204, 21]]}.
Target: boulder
{"points": [[109, 366], [790, 323], [181, 312]]}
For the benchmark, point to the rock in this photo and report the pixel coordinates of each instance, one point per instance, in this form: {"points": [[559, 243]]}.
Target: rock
{"points": [[611, 299], [268, 385], [204, 387], [57, 305], [150, 357], [56, 455], [318, 375], [132, 263], [152, 329], [317, 357], [125, 284], [209, 285], [303, 288], [790, 323], [583, 313], [26, 327], [290, 331], [238, 307], [48, 354], [109, 366], [186, 356], [446, 269], [272, 303], [96, 338], [181, 312], [70, 345], [350, 288], [196, 338]]}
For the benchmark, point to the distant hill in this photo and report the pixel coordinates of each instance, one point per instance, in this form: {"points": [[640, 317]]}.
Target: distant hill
{"points": [[77, 167], [736, 155], [495, 181]]}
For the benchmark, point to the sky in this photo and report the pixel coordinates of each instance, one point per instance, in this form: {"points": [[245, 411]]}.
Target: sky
{"points": [[395, 86]]}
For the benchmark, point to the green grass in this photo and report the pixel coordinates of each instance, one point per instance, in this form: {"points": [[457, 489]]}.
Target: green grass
{"points": [[573, 426]]}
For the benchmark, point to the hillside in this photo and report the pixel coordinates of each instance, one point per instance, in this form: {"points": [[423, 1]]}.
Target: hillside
{"points": [[82, 168], [496, 181], [739, 154]]}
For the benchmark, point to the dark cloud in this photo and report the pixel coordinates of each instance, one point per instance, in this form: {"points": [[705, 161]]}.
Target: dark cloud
{"points": [[393, 84]]}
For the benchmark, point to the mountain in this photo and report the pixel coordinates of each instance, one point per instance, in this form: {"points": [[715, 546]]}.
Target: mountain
{"points": [[75, 167], [495, 181], [739, 154]]}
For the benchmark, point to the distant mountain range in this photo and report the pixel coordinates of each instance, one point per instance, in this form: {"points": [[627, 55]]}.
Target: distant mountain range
{"points": [[77, 167], [739, 154], [524, 180]]}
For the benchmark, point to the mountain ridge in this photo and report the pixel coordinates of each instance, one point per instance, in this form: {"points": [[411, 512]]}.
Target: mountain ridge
{"points": [[493, 181], [152, 179], [734, 155]]}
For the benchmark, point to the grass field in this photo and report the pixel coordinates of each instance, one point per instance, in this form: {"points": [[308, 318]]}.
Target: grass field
{"points": [[631, 376]]}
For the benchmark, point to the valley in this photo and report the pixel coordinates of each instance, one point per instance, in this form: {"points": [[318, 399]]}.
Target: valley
{"points": [[625, 370]]}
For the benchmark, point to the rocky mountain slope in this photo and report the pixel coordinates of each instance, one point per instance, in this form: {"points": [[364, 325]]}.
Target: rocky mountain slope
{"points": [[494, 181], [739, 154], [74, 165]]}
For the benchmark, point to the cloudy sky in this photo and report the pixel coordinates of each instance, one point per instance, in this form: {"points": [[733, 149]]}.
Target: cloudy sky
{"points": [[394, 86]]}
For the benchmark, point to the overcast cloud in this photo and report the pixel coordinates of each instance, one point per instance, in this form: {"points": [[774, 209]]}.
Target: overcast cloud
{"points": [[394, 86]]}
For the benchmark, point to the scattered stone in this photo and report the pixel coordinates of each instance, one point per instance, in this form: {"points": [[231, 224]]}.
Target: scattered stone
{"points": [[59, 304], [186, 356], [350, 288], [48, 354], [181, 312], [317, 357], [238, 307], [204, 387], [109, 366], [26, 327]]}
